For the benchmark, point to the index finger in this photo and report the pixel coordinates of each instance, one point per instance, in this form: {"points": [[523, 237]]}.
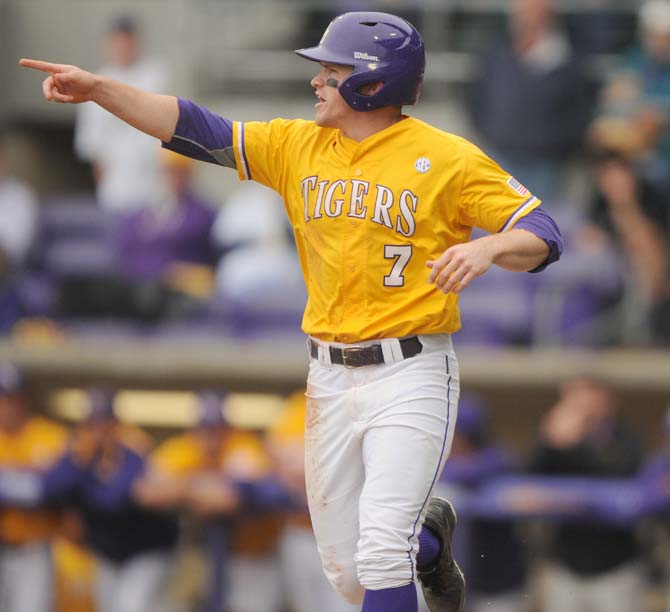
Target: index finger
{"points": [[42, 66], [438, 264]]}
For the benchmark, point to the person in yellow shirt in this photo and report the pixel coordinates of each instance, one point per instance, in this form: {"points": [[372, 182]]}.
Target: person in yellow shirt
{"points": [[382, 207], [29, 446], [197, 471]]}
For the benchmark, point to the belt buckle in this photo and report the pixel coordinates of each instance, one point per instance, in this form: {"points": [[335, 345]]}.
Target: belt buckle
{"points": [[352, 351]]}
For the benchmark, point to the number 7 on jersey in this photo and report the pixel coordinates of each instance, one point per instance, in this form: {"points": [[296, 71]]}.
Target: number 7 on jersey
{"points": [[401, 253]]}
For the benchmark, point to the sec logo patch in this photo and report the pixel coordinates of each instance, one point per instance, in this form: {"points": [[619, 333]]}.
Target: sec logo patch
{"points": [[422, 165]]}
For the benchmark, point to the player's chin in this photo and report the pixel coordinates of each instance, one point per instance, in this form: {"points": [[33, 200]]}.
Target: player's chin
{"points": [[322, 119]]}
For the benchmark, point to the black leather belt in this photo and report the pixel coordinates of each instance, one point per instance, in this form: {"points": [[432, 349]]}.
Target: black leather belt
{"points": [[359, 356]]}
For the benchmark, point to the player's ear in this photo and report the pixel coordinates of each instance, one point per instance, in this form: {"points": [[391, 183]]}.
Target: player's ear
{"points": [[371, 88]]}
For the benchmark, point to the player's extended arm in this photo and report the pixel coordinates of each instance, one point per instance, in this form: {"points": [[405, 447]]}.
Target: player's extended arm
{"points": [[517, 250], [151, 113]]}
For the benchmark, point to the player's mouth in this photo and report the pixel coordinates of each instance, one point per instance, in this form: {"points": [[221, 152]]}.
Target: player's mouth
{"points": [[320, 99]]}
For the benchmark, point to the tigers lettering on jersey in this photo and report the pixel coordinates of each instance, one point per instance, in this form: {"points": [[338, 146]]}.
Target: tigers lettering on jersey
{"points": [[359, 200], [368, 215]]}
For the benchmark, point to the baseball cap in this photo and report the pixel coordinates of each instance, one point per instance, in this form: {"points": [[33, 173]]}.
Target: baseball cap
{"points": [[210, 409], [11, 379], [100, 405]]}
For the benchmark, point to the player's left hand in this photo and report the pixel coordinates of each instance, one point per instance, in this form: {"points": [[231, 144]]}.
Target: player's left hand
{"points": [[460, 264]]}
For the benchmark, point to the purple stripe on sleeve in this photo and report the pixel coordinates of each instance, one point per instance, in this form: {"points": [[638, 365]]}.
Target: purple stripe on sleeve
{"points": [[516, 213], [200, 133], [543, 226]]}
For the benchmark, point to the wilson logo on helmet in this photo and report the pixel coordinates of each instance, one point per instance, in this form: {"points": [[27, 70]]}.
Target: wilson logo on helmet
{"points": [[365, 56]]}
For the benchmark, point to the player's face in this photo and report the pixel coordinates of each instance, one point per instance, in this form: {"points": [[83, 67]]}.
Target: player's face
{"points": [[331, 108], [122, 48]]}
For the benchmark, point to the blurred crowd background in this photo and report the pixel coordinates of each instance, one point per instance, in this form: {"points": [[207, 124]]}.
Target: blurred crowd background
{"points": [[136, 287]]}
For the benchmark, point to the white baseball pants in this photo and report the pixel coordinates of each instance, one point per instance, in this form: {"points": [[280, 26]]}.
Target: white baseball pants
{"points": [[376, 440], [26, 577], [135, 585]]}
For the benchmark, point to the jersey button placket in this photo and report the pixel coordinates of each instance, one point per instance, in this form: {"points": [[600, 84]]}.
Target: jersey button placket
{"points": [[351, 255]]}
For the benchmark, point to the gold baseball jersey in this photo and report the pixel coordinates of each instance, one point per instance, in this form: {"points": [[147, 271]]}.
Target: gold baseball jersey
{"points": [[242, 454], [368, 216], [37, 445], [183, 456]]}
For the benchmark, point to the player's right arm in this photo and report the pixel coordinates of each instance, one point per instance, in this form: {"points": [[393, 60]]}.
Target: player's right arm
{"points": [[153, 114]]}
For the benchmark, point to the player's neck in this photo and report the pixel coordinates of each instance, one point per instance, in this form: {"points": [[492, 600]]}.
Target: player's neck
{"points": [[363, 125]]}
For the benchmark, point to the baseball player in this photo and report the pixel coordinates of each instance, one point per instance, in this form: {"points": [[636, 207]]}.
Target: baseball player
{"points": [[29, 445], [194, 470], [382, 207]]}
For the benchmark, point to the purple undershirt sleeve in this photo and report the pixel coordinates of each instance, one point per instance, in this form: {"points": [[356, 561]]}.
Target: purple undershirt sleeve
{"points": [[543, 226], [203, 135]]}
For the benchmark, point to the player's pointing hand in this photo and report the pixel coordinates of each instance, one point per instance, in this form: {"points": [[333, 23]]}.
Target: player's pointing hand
{"points": [[460, 264], [66, 83]]}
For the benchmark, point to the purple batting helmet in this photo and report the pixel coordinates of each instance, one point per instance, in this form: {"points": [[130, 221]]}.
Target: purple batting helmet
{"points": [[380, 47]]}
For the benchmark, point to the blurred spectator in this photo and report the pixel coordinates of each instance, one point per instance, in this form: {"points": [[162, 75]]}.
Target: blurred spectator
{"points": [[493, 559], [633, 125], [124, 161], [259, 275], [165, 250], [306, 587], [593, 567], [27, 444], [196, 471], [133, 547], [18, 221], [173, 230], [633, 118], [531, 101], [634, 216], [164, 256]]}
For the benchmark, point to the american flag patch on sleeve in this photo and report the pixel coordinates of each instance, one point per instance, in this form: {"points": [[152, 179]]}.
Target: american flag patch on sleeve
{"points": [[517, 186]]}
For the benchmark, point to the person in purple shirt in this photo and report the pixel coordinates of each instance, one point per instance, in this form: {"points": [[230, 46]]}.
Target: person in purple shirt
{"points": [[173, 230], [591, 565], [133, 547], [163, 255]]}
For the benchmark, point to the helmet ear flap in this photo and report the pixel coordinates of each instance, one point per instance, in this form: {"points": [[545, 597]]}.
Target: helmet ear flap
{"points": [[351, 87]]}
